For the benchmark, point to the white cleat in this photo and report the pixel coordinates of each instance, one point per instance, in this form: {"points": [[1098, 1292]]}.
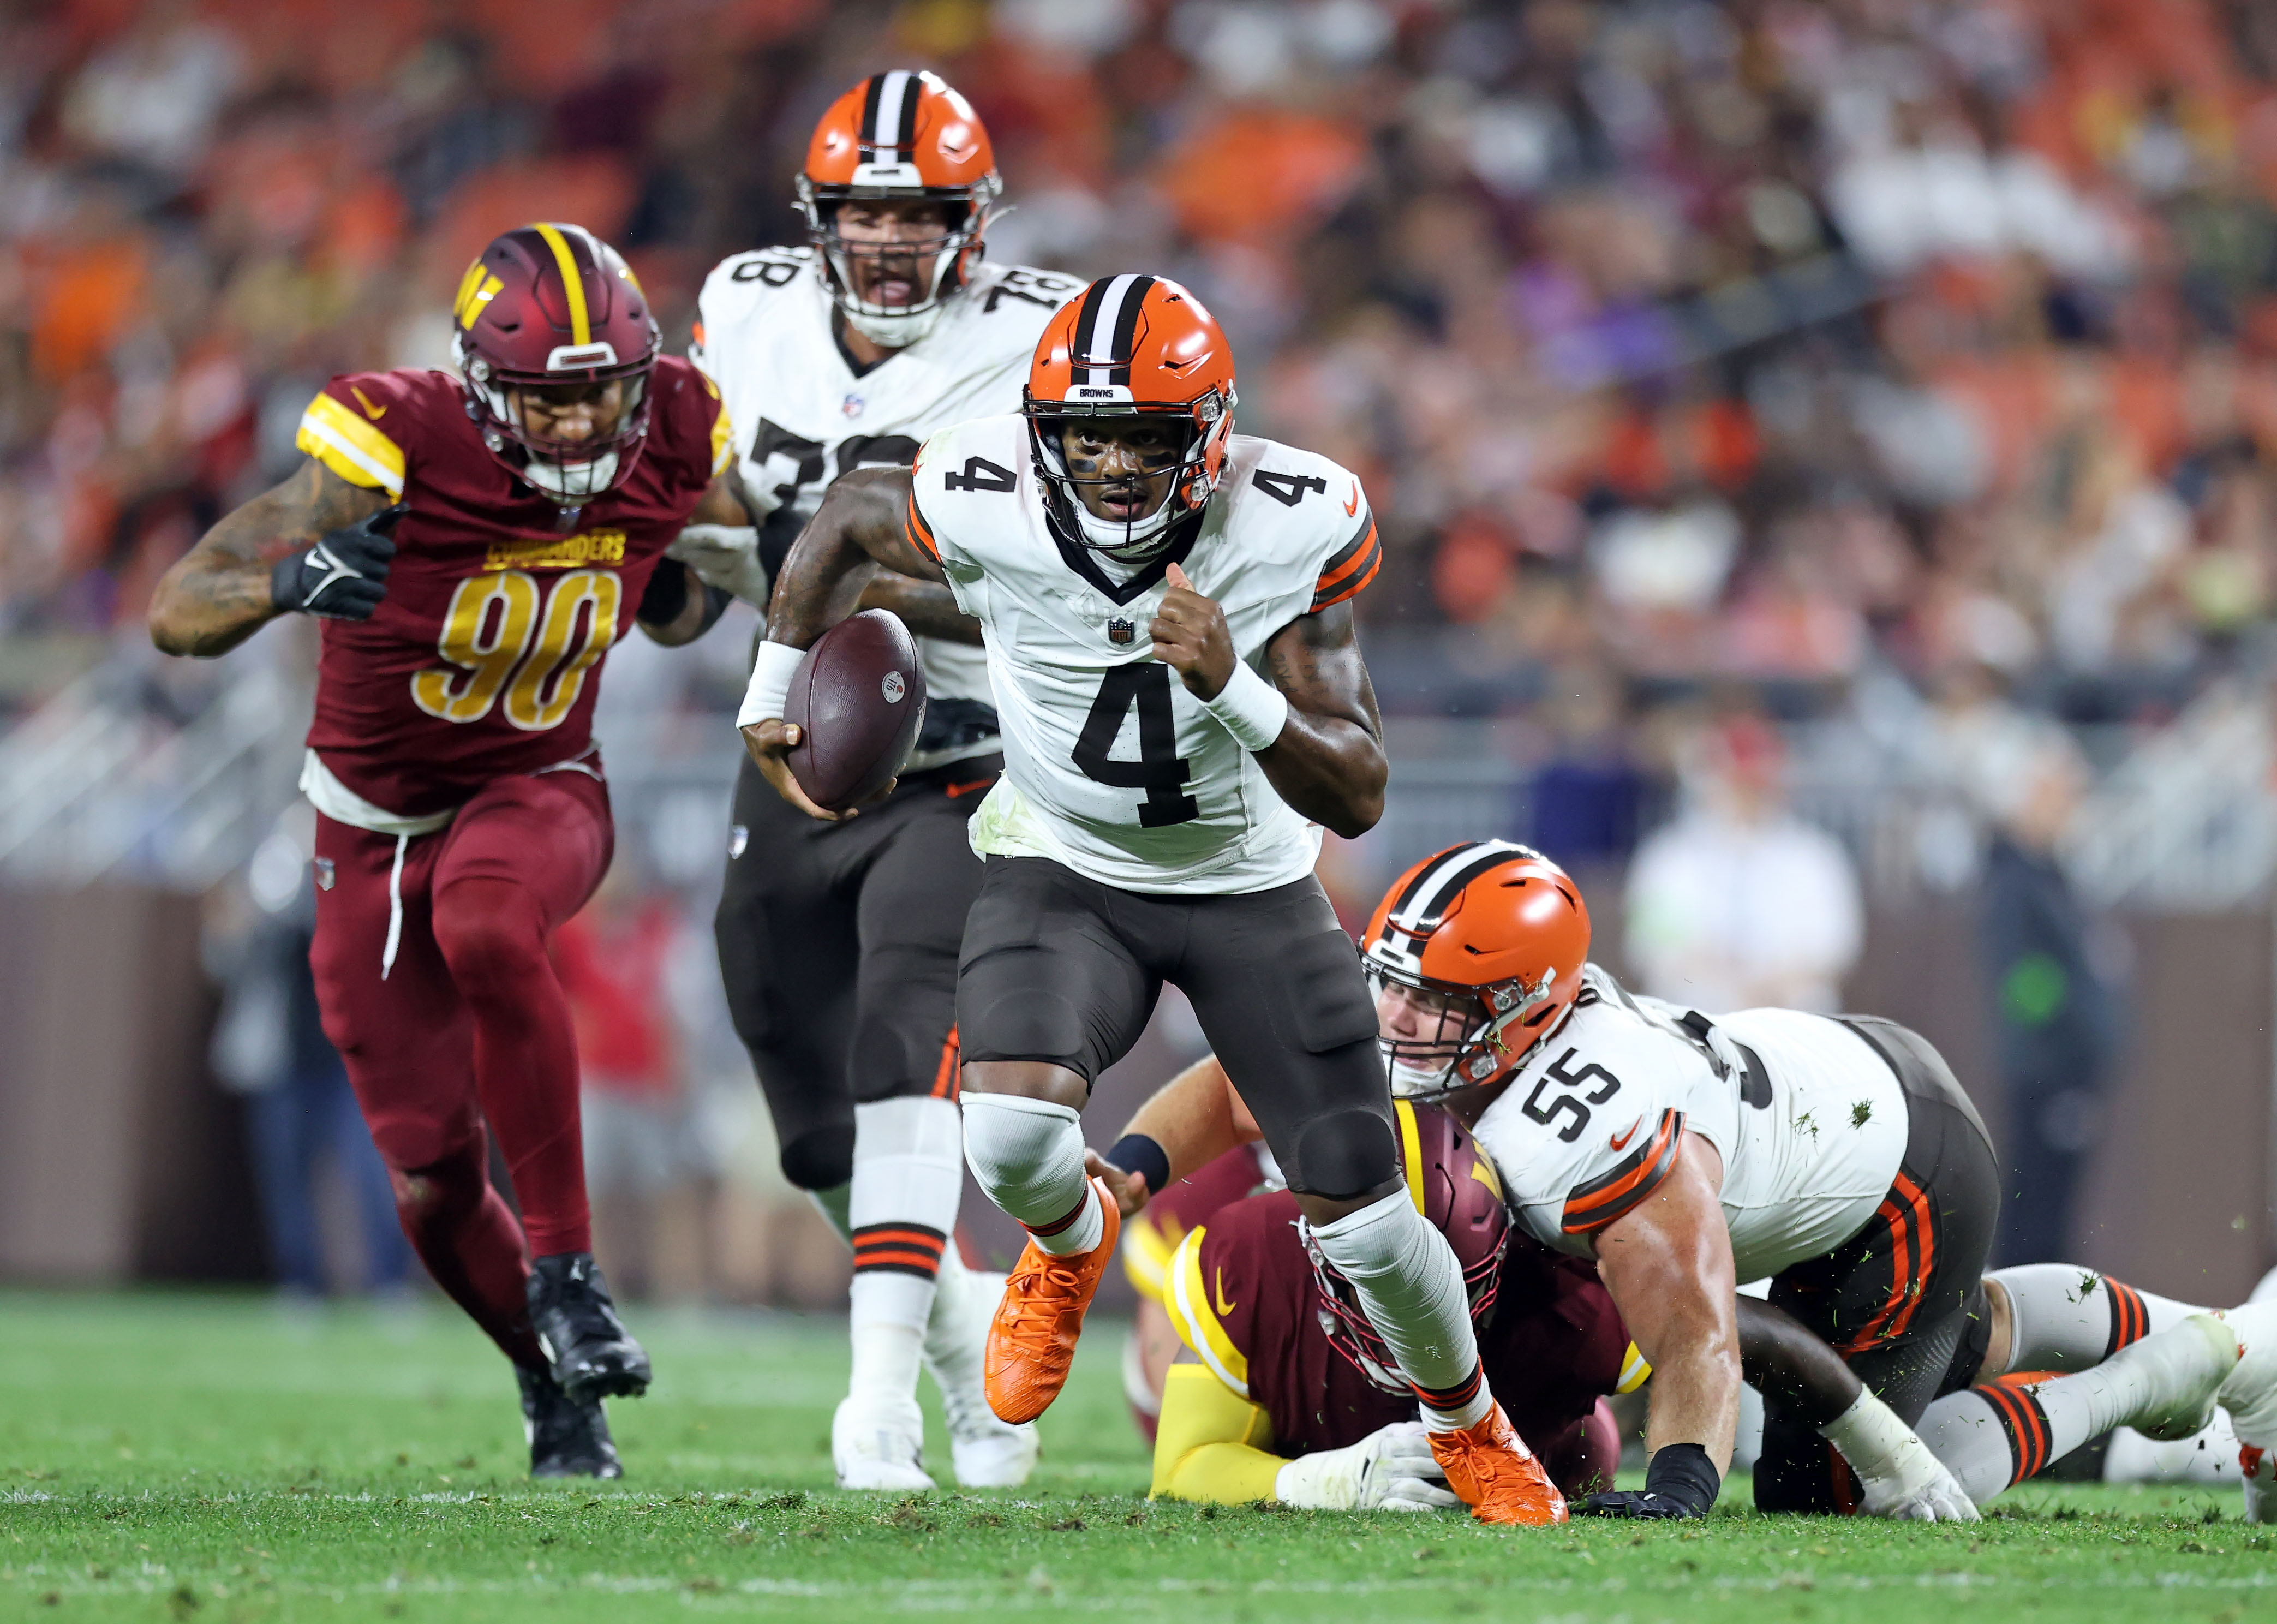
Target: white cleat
{"points": [[2249, 1395], [989, 1453], [879, 1445], [2184, 1368]]}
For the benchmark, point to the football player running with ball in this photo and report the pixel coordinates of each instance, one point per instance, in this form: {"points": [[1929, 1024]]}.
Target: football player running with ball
{"points": [[838, 941], [1138, 569], [473, 549]]}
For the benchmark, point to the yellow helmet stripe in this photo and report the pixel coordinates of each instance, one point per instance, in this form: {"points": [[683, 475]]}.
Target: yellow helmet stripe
{"points": [[581, 325], [1411, 1153]]}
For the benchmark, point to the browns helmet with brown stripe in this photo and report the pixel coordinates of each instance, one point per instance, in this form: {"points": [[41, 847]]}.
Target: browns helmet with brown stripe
{"points": [[1488, 940], [900, 134], [553, 307], [1454, 1185], [1130, 346]]}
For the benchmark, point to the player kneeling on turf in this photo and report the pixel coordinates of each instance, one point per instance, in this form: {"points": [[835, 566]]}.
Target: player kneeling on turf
{"points": [[1286, 1392]]}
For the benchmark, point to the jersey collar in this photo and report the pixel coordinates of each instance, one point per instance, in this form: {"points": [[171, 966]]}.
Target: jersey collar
{"points": [[1078, 558]]}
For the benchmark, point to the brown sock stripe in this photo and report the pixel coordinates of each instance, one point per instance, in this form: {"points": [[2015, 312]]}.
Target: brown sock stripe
{"points": [[903, 1248], [2026, 1426], [2130, 1321], [1451, 1398], [1065, 1222]]}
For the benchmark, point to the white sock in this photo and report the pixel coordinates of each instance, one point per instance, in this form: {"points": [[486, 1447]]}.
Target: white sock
{"points": [[2065, 1317], [902, 1210], [1992, 1437], [1028, 1155], [1411, 1288]]}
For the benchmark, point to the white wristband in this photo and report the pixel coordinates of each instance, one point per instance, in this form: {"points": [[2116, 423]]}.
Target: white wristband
{"points": [[770, 685], [1250, 708]]}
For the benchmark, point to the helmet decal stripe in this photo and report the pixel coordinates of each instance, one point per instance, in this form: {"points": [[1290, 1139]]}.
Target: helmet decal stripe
{"points": [[1440, 884], [1411, 1154], [868, 132], [581, 323], [889, 114], [1107, 330], [905, 130]]}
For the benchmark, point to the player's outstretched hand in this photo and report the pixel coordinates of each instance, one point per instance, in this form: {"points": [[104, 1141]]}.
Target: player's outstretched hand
{"points": [[1391, 1470], [1191, 637], [770, 742], [1129, 1190], [343, 576]]}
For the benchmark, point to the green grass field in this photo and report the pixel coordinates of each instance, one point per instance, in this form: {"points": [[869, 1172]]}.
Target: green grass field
{"points": [[182, 1457]]}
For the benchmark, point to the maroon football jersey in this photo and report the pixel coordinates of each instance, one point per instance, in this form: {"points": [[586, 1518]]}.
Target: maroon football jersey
{"points": [[486, 658], [1554, 1344]]}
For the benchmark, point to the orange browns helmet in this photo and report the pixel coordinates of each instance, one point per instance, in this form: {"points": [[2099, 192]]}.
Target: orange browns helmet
{"points": [[1131, 344], [1494, 937], [899, 135]]}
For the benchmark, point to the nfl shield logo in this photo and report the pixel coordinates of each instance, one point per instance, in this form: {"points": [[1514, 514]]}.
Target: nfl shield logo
{"points": [[738, 839], [1120, 631], [852, 405], [326, 876]]}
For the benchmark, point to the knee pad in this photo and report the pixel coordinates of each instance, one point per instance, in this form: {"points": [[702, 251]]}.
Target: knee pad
{"points": [[820, 1158], [482, 942], [1344, 1154]]}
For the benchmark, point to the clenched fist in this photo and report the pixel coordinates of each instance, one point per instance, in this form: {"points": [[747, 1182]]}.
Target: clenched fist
{"points": [[1191, 637]]}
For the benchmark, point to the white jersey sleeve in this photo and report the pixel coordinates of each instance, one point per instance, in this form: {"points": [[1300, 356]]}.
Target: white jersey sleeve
{"points": [[1809, 1121], [1111, 766], [803, 417], [1595, 1118]]}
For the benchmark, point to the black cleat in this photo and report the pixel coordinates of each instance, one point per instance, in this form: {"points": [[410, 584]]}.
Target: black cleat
{"points": [[567, 1438], [594, 1357]]}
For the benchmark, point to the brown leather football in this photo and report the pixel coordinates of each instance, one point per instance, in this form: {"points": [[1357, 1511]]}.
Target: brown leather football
{"points": [[858, 699]]}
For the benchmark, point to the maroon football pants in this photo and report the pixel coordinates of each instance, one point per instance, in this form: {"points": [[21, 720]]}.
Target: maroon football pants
{"points": [[460, 1018]]}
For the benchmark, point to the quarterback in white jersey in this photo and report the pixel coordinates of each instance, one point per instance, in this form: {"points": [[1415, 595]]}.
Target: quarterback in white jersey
{"points": [[1172, 654], [1835, 1156], [838, 943]]}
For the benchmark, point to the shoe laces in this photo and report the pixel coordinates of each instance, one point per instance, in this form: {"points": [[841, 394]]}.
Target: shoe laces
{"points": [[1043, 1292]]}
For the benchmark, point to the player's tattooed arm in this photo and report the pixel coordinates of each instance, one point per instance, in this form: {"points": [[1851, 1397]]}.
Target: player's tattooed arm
{"points": [[218, 594], [862, 519], [927, 607], [1329, 762]]}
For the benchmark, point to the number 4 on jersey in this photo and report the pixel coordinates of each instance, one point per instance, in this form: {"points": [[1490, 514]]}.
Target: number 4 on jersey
{"points": [[1159, 770]]}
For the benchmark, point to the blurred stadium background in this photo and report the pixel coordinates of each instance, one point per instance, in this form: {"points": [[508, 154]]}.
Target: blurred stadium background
{"points": [[1826, 451]]}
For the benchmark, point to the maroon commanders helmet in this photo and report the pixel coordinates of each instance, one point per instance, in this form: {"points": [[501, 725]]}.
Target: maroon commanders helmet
{"points": [[1454, 1186], [553, 308]]}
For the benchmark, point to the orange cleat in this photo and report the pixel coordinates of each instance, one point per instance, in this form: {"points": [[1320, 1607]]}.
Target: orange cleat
{"points": [[1492, 1470], [1032, 1344]]}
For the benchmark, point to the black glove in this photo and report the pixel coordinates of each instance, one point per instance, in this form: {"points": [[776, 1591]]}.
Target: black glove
{"points": [[1679, 1482], [343, 576]]}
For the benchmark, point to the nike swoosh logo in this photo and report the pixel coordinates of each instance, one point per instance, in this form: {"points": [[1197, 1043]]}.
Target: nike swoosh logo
{"points": [[373, 412], [1351, 508], [1621, 1140], [1217, 1290], [954, 790]]}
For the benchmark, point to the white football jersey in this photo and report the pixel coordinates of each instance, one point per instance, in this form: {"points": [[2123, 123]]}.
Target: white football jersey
{"points": [[1110, 766], [1811, 1133], [764, 334]]}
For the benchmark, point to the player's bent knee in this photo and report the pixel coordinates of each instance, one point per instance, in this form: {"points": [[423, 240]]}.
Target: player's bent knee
{"points": [[489, 933], [442, 1191], [1033, 1079], [820, 1158], [1344, 1154]]}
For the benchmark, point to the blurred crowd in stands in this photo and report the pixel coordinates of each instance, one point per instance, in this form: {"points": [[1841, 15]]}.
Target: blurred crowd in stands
{"points": [[1677, 342]]}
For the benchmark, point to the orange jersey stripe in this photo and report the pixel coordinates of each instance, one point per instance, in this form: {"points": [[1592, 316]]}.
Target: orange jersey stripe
{"points": [[1375, 564], [1592, 1207], [1350, 572], [921, 533]]}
